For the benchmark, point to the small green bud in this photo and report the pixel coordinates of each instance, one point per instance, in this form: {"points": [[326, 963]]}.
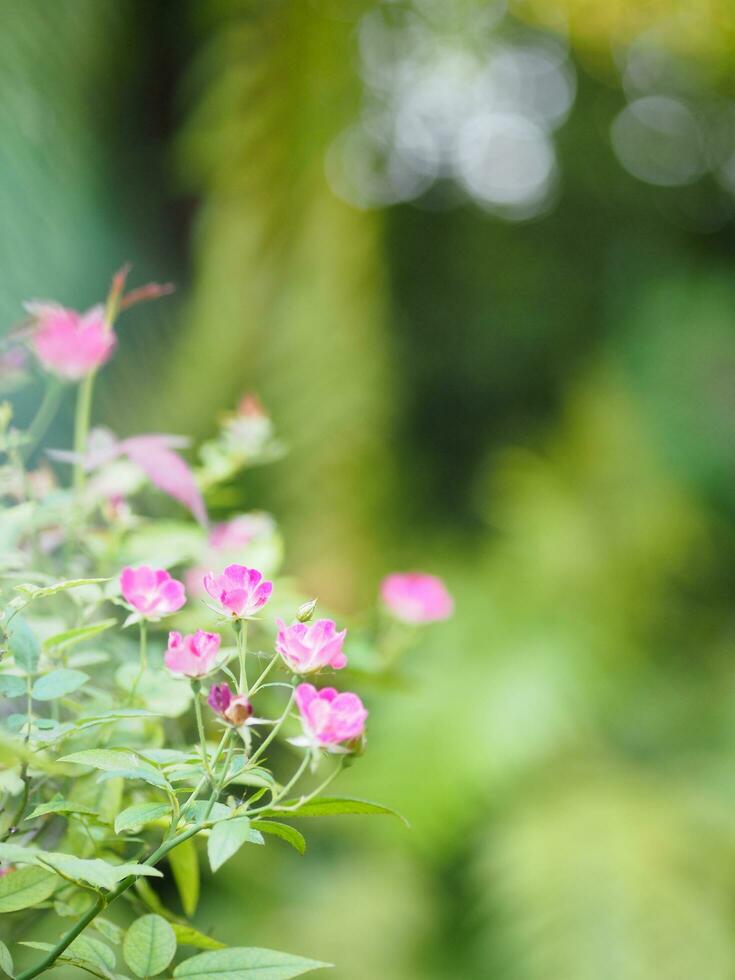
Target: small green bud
{"points": [[306, 611]]}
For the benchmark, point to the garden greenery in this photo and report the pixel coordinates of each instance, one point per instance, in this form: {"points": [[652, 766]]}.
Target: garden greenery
{"points": [[127, 746]]}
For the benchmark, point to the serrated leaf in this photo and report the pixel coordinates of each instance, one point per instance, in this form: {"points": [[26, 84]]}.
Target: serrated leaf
{"points": [[118, 762], [93, 871], [227, 838], [6, 960], [149, 945], [60, 806], [12, 686], [23, 644], [327, 806], [187, 935], [58, 683], [68, 638], [25, 887], [140, 814], [282, 830], [239, 963], [34, 592], [184, 864]]}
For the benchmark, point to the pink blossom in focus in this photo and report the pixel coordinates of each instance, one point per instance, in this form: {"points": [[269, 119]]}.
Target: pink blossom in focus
{"points": [[193, 655], [309, 647], [151, 591], [329, 717], [69, 344], [239, 590], [414, 597]]}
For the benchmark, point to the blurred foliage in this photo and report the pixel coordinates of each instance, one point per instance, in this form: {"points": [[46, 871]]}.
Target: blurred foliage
{"points": [[703, 30], [543, 411]]}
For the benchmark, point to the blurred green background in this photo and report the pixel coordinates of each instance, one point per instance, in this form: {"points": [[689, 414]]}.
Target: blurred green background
{"points": [[478, 261]]}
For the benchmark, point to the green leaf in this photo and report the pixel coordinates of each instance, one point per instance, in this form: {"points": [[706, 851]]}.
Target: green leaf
{"points": [[58, 683], [23, 644], [227, 838], [245, 964], [327, 806], [196, 812], [25, 887], [93, 871], [185, 867], [69, 637], [282, 830], [187, 935], [58, 805], [118, 762], [149, 946], [140, 814], [93, 950], [34, 592], [111, 932], [12, 686], [6, 960]]}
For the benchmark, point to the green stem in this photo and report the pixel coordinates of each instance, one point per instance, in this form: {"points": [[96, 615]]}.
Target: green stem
{"points": [[196, 687], [202, 782], [257, 685], [143, 658], [43, 417], [103, 902], [82, 417], [304, 799], [241, 631], [272, 734]]}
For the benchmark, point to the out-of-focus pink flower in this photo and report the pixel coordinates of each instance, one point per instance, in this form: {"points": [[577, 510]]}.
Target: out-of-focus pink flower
{"points": [[239, 590], [13, 363], [193, 655], [234, 707], [69, 344], [8, 869], [329, 717], [166, 469], [239, 532], [414, 597], [309, 647], [151, 591], [154, 454]]}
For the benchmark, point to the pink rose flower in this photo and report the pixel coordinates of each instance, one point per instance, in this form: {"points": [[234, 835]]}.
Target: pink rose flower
{"points": [[239, 590], [309, 647], [151, 591], [416, 598], [329, 717], [70, 344], [193, 655]]}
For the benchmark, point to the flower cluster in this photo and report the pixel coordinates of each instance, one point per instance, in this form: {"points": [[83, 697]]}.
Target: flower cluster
{"points": [[127, 734]]}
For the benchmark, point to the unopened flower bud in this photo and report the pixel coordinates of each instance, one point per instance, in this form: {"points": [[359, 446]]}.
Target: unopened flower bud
{"points": [[306, 611], [219, 698], [239, 710]]}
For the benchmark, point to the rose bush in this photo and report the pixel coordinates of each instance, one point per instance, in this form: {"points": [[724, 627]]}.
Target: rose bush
{"points": [[140, 724]]}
